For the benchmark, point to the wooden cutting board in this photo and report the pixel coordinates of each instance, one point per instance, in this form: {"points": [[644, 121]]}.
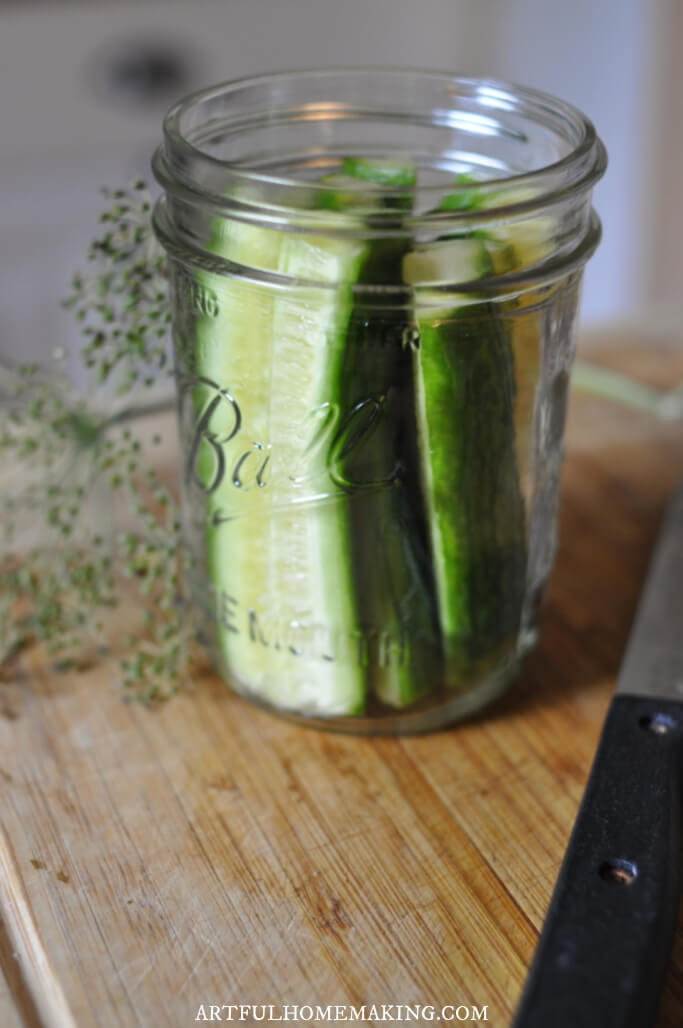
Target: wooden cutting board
{"points": [[209, 853]]}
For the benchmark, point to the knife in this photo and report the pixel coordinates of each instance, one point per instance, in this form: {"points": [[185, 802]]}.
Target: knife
{"points": [[606, 941]]}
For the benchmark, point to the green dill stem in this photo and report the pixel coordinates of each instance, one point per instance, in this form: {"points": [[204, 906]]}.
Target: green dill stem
{"points": [[142, 410], [611, 385]]}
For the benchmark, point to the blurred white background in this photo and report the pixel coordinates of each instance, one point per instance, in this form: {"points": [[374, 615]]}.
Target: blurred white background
{"points": [[84, 86]]}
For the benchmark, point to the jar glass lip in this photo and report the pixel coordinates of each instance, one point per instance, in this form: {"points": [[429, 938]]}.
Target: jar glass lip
{"points": [[576, 170]]}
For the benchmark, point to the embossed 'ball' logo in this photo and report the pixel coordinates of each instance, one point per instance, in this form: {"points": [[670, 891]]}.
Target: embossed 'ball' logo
{"points": [[352, 447]]}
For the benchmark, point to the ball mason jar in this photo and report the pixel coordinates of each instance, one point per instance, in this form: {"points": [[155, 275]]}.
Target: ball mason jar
{"points": [[374, 280]]}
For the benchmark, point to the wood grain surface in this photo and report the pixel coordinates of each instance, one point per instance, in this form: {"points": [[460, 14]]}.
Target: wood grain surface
{"points": [[209, 853]]}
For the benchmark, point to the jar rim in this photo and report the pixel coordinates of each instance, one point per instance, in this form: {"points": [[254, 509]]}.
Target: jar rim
{"points": [[575, 171]]}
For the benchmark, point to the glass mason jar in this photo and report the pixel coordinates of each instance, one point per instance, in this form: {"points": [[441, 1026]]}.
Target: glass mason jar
{"points": [[374, 280]]}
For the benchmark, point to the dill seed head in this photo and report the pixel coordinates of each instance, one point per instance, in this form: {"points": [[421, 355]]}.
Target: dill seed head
{"points": [[57, 592]]}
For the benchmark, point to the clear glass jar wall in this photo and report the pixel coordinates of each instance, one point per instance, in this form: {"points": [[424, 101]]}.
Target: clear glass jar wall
{"points": [[374, 283]]}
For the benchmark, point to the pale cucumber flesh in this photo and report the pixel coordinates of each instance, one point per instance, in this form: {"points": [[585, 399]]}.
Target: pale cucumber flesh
{"points": [[282, 578]]}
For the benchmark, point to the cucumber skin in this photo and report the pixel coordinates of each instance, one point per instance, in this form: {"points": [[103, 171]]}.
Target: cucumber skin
{"points": [[465, 378], [392, 581], [392, 574], [392, 174]]}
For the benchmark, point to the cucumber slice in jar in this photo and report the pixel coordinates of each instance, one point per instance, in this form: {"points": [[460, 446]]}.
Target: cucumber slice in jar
{"points": [[228, 360], [277, 554], [465, 392], [392, 576], [311, 570]]}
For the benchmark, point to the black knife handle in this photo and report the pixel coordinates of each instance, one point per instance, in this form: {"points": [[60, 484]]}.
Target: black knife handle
{"points": [[607, 937]]}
